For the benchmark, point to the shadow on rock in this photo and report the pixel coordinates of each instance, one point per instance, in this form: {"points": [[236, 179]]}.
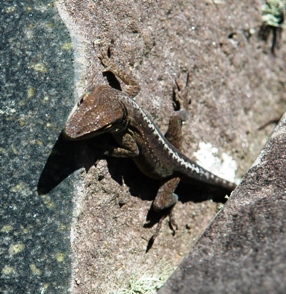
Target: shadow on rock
{"points": [[68, 156], [65, 158]]}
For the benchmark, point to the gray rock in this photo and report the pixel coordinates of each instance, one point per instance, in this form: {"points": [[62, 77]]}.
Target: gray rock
{"points": [[244, 249]]}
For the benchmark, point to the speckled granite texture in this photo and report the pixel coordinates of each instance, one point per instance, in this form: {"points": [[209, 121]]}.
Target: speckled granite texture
{"points": [[36, 78]]}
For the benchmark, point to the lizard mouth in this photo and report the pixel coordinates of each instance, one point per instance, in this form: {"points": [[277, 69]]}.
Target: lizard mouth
{"points": [[81, 135], [71, 134]]}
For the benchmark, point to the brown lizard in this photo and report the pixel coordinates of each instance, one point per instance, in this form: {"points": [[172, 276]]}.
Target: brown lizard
{"points": [[106, 110]]}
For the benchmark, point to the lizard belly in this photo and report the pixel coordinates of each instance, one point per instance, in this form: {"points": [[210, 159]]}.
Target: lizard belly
{"points": [[152, 165]]}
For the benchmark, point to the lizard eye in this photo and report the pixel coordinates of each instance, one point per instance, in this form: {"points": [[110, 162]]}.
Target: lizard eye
{"points": [[82, 99]]}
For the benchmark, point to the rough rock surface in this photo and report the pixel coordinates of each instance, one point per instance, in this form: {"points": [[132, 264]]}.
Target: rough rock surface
{"points": [[236, 87], [243, 250]]}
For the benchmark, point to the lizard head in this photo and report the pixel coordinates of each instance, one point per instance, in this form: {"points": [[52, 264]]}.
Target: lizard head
{"points": [[98, 111]]}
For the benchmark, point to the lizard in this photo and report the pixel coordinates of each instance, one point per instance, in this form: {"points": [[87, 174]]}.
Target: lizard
{"points": [[103, 109]]}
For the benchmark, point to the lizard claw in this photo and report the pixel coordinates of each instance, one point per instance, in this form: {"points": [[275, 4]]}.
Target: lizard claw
{"points": [[172, 225], [180, 98], [172, 222], [104, 60], [155, 235], [105, 54]]}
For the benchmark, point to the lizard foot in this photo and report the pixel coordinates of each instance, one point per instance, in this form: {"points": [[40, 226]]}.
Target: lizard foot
{"points": [[156, 233], [172, 224], [106, 52], [132, 87]]}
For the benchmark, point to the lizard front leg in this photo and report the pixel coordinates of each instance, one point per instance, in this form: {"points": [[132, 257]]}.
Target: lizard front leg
{"points": [[132, 86], [127, 147]]}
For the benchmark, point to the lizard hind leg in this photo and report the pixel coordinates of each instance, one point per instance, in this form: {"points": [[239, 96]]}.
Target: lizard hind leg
{"points": [[166, 197], [165, 200], [174, 133], [180, 103]]}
